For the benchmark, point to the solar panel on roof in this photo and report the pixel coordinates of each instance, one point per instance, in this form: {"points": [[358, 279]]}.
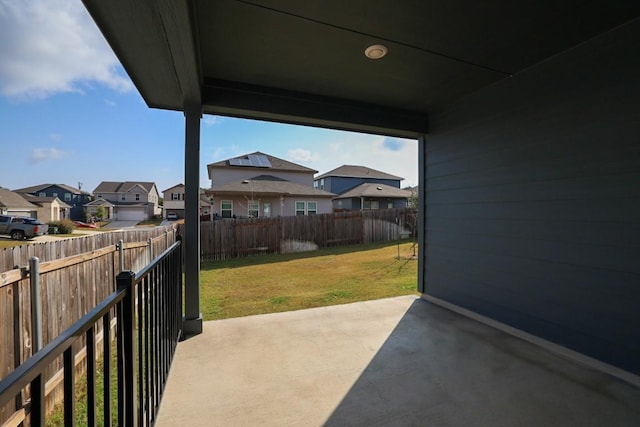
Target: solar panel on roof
{"points": [[240, 162], [259, 160], [254, 160]]}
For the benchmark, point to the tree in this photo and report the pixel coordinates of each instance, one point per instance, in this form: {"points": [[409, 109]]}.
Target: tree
{"points": [[100, 212]]}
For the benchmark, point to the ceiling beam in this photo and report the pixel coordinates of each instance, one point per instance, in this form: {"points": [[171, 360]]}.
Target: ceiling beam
{"points": [[227, 98]]}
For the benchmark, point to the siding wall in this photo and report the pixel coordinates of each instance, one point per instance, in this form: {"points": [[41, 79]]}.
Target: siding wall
{"points": [[533, 200], [341, 184]]}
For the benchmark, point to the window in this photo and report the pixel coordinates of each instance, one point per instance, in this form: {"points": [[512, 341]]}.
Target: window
{"points": [[266, 209], [254, 208], [300, 208], [226, 208], [312, 208], [55, 194], [176, 196], [67, 197], [319, 184], [42, 194], [99, 196], [138, 196], [123, 196], [371, 204], [306, 208]]}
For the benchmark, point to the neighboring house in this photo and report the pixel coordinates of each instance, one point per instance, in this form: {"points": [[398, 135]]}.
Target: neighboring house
{"points": [[257, 185], [126, 201], [360, 187], [372, 196], [174, 201], [49, 208], [14, 204], [74, 197]]}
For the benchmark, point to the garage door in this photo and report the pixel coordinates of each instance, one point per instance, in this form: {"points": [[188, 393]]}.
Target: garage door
{"points": [[130, 215]]}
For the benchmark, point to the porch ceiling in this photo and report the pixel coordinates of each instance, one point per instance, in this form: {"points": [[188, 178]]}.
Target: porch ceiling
{"points": [[303, 62]]}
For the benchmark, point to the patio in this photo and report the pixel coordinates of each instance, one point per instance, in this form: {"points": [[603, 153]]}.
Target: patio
{"points": [[397, 361]]}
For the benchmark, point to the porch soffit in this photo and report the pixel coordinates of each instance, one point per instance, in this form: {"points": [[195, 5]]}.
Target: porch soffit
{"points": [[303, 62]]}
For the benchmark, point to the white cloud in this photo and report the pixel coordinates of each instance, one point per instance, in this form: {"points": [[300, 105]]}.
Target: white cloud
{"points": [[302, 155], [209, 120], [39, 155], [53, 46], [55, 137], [110, 103]]}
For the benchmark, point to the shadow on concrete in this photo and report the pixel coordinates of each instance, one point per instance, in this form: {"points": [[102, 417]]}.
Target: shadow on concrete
{"points": [[438, 368]]}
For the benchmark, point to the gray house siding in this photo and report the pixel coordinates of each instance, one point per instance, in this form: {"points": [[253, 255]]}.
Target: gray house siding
{"points": [[533, 200], [355, 203], [77, 201], [340, 184]]}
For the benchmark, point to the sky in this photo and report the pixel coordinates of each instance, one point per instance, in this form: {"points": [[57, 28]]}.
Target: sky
{"points": [[69, 114]]}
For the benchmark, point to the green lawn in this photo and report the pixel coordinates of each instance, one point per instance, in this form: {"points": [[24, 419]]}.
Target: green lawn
{"points": [[274, 283]]}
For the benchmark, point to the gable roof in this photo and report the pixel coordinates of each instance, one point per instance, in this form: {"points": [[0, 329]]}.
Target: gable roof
{"points": [[276, 164], [266, 187], [375, 190], [41, 200], [121, 187], [181, 185], [12, 199], [352, 171], [39, 188]]}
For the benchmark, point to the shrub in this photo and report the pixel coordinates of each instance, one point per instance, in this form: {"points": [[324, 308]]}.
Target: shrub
{"points": [[65, 226]]}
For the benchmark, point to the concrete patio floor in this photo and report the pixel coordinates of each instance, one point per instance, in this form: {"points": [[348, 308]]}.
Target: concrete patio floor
{"points": [[393, 362]]}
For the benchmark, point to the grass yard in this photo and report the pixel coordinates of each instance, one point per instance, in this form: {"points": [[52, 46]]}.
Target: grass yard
{"points": [[274, 283], [7, 243]]}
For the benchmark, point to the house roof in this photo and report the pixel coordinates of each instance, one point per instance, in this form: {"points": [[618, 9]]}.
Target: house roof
{"points": [[13, 200], [294, 62], [122, 187], [275, 164], [100, 202], [40, 200], [39, 188], [351, 171], [181, 185], [370, 190], [267, 187], [202, 190]]}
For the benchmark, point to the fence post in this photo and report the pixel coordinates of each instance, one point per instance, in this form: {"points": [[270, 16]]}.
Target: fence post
{"points": [[36, 304], [150, 246], [120, 247], [127, 396]]}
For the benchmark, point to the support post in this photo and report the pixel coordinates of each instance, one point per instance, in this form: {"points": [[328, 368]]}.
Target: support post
{"points": [[150, 247], [121, 253], [36, 304], [422, 213], [127, 394], [192, 322]]}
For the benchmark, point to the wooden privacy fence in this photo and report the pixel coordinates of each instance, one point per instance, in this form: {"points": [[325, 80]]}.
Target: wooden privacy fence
{"points": [[75, 274], [231, 238]]}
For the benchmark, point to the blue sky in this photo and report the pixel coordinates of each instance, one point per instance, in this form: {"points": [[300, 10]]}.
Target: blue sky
{"points": [[69, 114]]}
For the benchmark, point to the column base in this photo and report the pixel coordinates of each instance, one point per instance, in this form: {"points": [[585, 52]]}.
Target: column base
{"points": [[191, 327]]}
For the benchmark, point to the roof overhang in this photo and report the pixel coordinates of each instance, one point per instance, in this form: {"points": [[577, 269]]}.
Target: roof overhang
{"points": [[303, 62]]}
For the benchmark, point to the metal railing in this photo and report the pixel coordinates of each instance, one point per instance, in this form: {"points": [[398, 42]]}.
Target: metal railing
{"points": [[148, 309]]}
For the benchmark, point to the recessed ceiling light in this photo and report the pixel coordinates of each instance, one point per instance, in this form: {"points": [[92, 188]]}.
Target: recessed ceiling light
{"points": [[375, 51]]}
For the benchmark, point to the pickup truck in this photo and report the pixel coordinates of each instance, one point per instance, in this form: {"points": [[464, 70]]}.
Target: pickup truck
{"points": [[20, 228]]}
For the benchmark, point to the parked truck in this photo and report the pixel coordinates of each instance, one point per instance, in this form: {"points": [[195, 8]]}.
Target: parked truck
{"points": [[20, 228]]}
